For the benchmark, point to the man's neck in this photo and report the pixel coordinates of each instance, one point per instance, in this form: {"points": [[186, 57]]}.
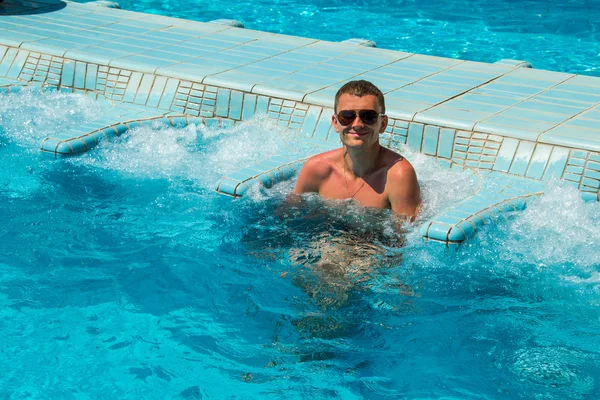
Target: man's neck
{"points": [[361, 161]]}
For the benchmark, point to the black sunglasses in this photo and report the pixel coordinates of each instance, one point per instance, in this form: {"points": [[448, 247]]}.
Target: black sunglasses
{"points": [[368, 117]]}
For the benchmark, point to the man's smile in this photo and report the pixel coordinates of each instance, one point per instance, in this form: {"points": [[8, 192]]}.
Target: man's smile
{"points": [[353, 133]]}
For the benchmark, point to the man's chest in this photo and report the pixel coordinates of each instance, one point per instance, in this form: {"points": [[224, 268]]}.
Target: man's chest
{"points": [[368, 193]]}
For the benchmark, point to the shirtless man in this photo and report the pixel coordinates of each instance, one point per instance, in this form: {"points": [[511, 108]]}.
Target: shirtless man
{"points": [[362, 169]]}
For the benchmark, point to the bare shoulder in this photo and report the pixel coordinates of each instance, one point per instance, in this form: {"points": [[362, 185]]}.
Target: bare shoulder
{"points": [[402, 185], [402, 168], [322, 163], [316, 169], [398, 166]]}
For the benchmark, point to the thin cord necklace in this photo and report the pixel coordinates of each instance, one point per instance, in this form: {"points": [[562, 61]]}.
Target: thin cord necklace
{"points": [[365, 175], [346, 180]]}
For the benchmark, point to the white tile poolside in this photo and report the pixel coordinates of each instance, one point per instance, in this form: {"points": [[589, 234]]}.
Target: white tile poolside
{"points": [[503, 117]]}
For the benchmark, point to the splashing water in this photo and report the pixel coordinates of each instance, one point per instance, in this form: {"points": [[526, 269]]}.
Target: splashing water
{"points": [[563, 228], [194, 153], [441, 188], [29, 116]]}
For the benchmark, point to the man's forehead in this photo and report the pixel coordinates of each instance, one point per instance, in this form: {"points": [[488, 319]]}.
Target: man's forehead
{"points": [[351, 98]]}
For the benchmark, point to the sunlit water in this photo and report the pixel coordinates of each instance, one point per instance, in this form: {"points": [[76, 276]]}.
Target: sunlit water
{"points": [[125, 275], [558, 35]]}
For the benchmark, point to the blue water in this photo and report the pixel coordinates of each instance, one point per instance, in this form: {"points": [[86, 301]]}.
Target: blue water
{"points": [[124, 275], [558, 35]]}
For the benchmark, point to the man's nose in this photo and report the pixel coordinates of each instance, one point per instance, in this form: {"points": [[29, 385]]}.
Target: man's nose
{"points": [[357, 121]]}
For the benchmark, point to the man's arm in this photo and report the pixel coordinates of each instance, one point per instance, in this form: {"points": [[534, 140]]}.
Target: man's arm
{"points": [[404, 191]]}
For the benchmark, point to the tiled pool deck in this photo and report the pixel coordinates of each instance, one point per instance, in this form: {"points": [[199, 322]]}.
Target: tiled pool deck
{"points": [[518, 126]]}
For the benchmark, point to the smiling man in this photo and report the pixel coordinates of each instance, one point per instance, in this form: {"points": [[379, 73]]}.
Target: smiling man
{"points": [[362, 169]]}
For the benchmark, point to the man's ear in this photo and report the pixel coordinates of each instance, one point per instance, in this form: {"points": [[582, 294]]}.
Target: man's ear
{"points": [[334, 123], [384, 123]]}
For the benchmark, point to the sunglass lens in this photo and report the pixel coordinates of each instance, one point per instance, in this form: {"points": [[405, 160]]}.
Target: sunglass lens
{"points": [[346, 117], [369, 117]]}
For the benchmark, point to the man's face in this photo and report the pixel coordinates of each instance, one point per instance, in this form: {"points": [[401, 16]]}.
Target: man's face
{"points": [[357, 133]]}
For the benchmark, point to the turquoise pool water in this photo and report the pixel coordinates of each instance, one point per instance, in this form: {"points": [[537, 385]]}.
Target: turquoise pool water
{"points": [[124, 275], [557, 35]]}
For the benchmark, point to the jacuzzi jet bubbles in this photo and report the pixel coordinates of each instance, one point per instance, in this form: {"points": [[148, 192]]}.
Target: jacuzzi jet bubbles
{"points": [[29, 116], [440, 187], [154, 152], [201, 154], [556, 229], [230, 149]]}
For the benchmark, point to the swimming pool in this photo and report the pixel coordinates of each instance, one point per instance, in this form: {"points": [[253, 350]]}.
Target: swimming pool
{"points": [[555, 35], [125, 276]]}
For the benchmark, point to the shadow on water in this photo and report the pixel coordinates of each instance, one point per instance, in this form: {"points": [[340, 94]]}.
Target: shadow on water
{"points": [[18, 7]]}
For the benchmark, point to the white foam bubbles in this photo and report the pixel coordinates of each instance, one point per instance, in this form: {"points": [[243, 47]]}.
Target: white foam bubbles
{"points": [[29, 116], [154, 151], [441, 188], [558, 228], [200, 154], [228, 150]]}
